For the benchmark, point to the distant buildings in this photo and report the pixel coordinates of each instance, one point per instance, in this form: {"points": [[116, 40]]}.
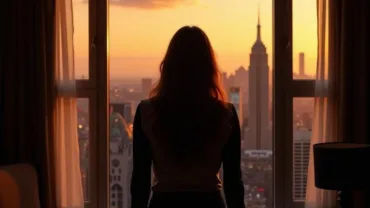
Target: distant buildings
{"points": [[120, 155], [225, 81], [124, 109], [146, 86], [235, 97], [83, 141], [301, 65], [257, 177], [241, 79], [301, 69], [301, 150]]}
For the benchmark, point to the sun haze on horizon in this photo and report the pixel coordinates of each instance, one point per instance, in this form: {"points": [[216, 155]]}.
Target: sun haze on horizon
{"points": [[140, 31]]}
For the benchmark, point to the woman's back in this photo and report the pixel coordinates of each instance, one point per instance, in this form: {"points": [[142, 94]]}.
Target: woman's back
{"points": [[186, 130], [196, 171]]}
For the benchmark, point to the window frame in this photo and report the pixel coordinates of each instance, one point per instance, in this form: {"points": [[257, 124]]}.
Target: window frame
{"points": [[285, 88], [96, 89]]}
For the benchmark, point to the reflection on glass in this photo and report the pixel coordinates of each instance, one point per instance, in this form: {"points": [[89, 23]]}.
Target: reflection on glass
{"points": [[303, 109], [83, 139], [304, 39], [81, 38]]}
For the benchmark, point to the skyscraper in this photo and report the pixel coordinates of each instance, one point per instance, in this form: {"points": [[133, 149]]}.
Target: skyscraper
{"points": [[301, 150], [146, 86], [301, 65], [125, 109], [258, 121], [236, 98], [225, 82], [120, 157]]}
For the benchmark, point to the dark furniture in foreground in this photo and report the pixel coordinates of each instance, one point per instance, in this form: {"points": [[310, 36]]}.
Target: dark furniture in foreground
{"points": [[342, 167]]}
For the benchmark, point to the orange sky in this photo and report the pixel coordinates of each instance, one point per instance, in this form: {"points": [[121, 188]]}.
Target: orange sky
{"points": [[141, 29]]}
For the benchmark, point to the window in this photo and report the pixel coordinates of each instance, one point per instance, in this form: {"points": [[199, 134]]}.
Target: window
{"points": [[90, 49], [304, 39], [81, 19], [244, 52], [116, 202], [303, 109], [113, 77], [83, 123], [294, 82]]}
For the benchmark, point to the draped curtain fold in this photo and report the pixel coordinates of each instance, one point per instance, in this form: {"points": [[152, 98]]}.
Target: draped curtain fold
{"points": [[324, 127], [38, 104], [69, 191], [341, 88]]}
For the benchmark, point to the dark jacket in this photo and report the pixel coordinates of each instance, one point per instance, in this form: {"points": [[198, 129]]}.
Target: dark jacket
{"points": [[202, 176]]}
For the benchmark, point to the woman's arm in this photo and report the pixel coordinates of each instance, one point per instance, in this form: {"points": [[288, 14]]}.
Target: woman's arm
{"points": [[233, 184], [142, 163]]}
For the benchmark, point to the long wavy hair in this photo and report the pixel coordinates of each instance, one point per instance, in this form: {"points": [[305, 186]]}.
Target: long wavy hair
{"points": [[189, 100]]}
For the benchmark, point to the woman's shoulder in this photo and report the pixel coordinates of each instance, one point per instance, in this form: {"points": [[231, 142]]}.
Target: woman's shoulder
{"points": [[145, 102], [148, 104], [230, 109], [145, 107], [228, 105]]}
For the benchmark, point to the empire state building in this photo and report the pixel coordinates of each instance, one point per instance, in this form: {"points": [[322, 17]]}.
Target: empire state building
{"points": [[258, 102]]}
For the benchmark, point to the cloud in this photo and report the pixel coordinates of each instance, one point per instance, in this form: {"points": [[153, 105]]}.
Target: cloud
{"points": [[152, 4]]}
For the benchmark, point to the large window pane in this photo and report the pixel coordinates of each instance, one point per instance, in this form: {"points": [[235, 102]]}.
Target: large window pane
{"points": [[83, 123], [242, 39], [81, 38], [303, 109], [304, 39]]}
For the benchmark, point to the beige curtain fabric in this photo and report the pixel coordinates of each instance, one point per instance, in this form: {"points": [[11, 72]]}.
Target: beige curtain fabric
{"points": [[68, 176], [324, 126]]}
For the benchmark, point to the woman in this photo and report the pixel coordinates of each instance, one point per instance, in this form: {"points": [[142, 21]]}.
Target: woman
{"points": [[187, 130]]}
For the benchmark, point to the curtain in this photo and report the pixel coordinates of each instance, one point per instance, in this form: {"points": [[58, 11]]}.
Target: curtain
{"points": [[342, 87], [28, 90], [68, 176], [38, 107], [352, 38], [324, 124]]}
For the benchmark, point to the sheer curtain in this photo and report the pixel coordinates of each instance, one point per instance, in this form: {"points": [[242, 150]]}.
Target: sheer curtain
{"points": [[325, 122], [67, 167]]}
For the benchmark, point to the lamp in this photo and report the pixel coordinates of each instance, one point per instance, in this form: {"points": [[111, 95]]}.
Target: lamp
{"points": [[342, 167]]}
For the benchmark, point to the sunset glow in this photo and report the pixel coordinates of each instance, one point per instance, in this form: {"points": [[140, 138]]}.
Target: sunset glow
{"points": [[140, 31]]}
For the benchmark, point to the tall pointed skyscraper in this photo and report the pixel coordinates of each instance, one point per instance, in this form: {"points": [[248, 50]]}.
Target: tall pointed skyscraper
{"points": [[258, 102]]}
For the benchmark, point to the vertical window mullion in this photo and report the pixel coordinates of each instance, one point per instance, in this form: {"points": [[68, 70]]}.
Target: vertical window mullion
{"points": [[93, 17], [102, 82], [282, 102], [96, 89]]}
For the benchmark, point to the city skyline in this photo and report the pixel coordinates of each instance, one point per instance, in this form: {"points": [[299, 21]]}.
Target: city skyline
{"points": [[138, 42]]}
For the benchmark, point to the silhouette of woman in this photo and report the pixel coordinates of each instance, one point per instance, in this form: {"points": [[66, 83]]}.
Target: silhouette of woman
{"points": [[186, 130]]}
